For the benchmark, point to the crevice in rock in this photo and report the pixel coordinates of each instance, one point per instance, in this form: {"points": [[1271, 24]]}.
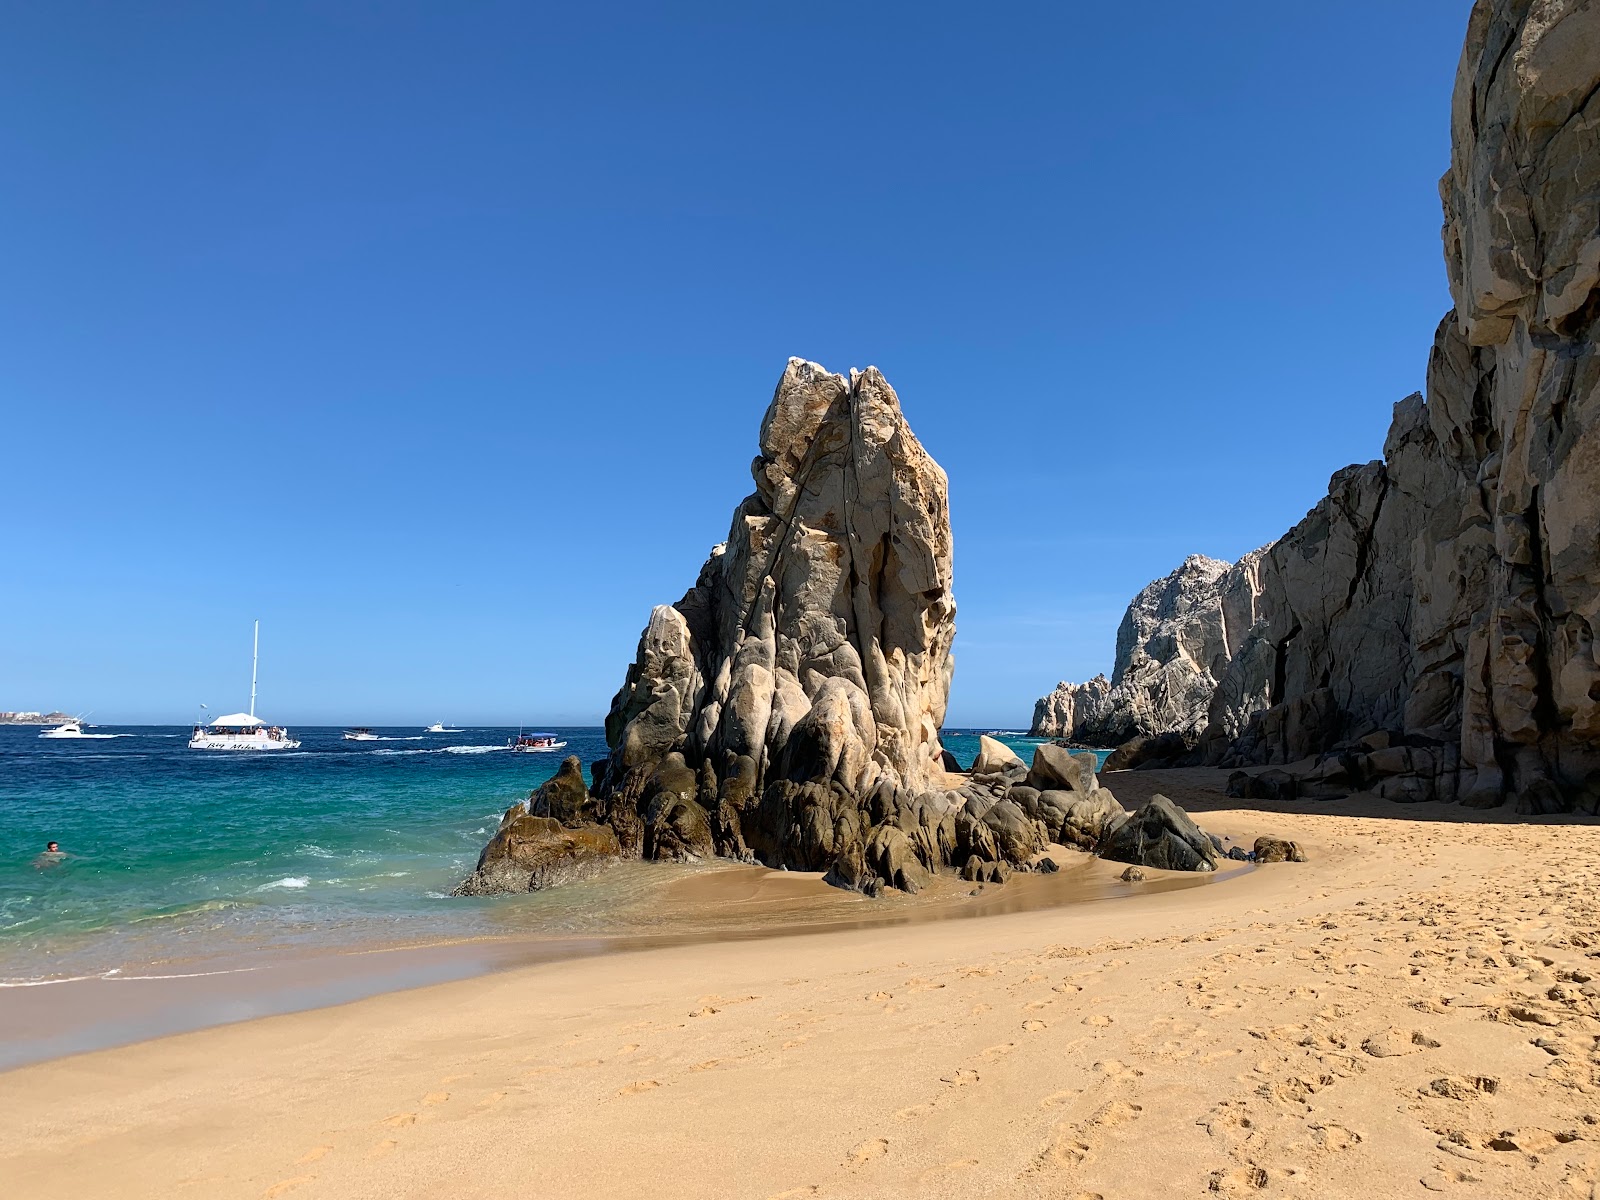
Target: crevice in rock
{"points": [[1280, 667]]}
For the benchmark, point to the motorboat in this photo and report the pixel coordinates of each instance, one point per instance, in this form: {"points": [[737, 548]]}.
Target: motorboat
{"points": [[242, 731], [74, 729], [534, 743], [360, 734], [436, 727]]}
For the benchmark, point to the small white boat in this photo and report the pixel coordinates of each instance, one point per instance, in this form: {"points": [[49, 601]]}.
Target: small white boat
{"points": [[438, 728], [361, 734], [74, 729], [534, 743], [243, 731]]}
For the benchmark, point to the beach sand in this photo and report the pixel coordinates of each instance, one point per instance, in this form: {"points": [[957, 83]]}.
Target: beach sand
{"points": [[1408, 1012]]}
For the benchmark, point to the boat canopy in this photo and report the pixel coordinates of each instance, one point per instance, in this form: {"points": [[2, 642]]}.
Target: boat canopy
{"points": [[238, 721], [539, 735]]}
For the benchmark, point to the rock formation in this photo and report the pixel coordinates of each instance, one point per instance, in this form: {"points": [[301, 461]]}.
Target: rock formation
{"points": [[1429, 628], [787, 709], [1175, 642]]}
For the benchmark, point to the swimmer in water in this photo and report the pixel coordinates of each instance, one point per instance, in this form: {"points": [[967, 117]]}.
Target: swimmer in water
{"points": [[51, 856]]}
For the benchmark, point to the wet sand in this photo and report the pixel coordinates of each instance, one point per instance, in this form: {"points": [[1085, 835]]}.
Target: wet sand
{"points": [[675, 908], [1409, 1012]]}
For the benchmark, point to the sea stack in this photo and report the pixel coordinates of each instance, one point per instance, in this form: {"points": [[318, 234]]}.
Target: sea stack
{"points": [[787, 709]]}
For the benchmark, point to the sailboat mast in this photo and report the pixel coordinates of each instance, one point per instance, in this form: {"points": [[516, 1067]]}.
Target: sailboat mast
{"points": [[255, 657]]}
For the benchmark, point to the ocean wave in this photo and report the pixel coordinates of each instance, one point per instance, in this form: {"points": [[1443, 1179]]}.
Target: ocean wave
{"points": [[115, 975], [396, 752], [416, 737], [288, 881], [471, 749], [314, 850]]}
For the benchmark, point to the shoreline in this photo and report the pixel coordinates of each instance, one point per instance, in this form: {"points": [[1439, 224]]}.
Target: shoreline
{"points": [[723, 903], [1412, 1004]]}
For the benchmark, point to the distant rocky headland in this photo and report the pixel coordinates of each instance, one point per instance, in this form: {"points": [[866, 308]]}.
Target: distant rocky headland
{"points": [[1429, 630], [34, 718]]}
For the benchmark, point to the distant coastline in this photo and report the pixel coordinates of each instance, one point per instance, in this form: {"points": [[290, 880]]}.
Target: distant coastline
{"points": [[34, 718]]}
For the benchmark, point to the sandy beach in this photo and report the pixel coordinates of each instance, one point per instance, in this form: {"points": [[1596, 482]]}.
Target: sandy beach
{"points": [[1410, 1011]]}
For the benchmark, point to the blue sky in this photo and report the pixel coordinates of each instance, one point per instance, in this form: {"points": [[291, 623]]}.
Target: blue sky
{"points": [[437, 336]]}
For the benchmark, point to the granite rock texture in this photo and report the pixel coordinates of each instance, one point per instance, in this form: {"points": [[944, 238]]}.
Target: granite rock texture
{"points": [[787, 709]]}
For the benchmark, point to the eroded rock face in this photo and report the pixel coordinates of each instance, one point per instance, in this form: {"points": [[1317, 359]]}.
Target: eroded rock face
{"points": [[1176, 640], [1447, 596], [787, 708]]}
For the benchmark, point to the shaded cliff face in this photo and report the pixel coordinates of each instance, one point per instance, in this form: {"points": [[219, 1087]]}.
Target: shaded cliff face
{"points": [[1177, 638], [1450, 592]]}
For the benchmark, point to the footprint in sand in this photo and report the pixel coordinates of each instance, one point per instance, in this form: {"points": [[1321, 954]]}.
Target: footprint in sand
{"points": [[629, 1048], [387, 1146], [400, 1119], [490, 1100], [961, 1077], [960, 1164], [1055, 1099], [1116, 1069], [1066, 1147], [1118, 1112], [1336, 1137], [643, 1085], [1034, 1026], [436, 1098], [997, 1052], [312, 1155], [1238, 1181], [916, 1112], [288, 1185], [809, 1189], [1099, 1020], [868, 1150]]}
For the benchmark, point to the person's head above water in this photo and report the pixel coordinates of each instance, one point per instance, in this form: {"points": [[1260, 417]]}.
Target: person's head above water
{"points": [[51, 847]]}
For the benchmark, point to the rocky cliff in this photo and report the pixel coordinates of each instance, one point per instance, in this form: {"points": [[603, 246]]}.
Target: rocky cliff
{"points": [[1430, 625], [1176, 640]]}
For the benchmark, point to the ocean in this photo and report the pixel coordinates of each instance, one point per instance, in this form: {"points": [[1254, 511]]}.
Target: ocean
{"points": [[180, 858]]}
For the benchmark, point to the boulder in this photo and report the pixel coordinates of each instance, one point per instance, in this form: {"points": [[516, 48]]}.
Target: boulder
{"points": [[1057, 768], [994, 756], [1081, 820], [564, 797], [529, 853], [1149, 751], [1159, 834], [888, 854], [1275, 850]]}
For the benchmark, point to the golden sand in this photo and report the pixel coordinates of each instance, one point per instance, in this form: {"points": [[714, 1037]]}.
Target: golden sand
{"points": [[1409, 1012]]}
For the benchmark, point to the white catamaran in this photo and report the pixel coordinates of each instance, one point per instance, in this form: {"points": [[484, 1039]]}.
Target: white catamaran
{"points": [[243, 731]]}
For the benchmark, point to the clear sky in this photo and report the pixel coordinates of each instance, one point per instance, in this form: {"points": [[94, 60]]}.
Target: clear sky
{"points": [[437, 335]]}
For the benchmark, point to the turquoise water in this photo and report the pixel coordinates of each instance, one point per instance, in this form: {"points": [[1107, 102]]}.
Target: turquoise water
{"points": [[174, 854]]}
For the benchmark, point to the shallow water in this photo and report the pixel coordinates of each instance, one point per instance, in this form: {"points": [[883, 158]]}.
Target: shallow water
{"points": [[181, 859]]}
